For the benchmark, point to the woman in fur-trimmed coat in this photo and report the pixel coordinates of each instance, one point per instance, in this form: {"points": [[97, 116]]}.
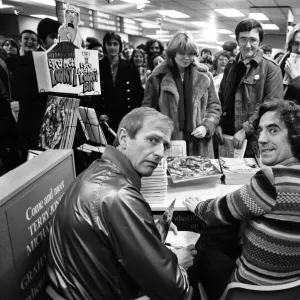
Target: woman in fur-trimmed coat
{"points": [[180, 90]]}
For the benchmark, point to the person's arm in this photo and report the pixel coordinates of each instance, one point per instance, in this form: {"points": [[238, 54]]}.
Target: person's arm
{"points": [[213, 109], [273, 89], [138, 248], [250, 201], [151, 93]]}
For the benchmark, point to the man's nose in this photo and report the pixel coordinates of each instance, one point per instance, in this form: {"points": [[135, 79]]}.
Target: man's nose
{"points": [[160, 150], [263, 138], [248, 44]]}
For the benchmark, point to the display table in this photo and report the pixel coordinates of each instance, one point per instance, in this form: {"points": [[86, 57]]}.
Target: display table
{"points": [[205, 188]]}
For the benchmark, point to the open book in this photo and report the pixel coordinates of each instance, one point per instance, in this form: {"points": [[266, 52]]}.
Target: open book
{"points": [[182, 238]]}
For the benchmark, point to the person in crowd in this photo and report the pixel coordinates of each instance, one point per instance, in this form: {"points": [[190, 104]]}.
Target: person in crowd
{"points": [[208, 62], [127, 51], [231, 47], [153, 46], [94, 44], [278, 56], [90, 41], [47, 31], [220, 61], [157, 60], [205, 53], [28, 41], [289, 66], [104, 243], [8, 126], [142, 47], [178, 89], [268, 206], [267, 49], [138, 59], [11, 47], [249, 80], [121, 88]]}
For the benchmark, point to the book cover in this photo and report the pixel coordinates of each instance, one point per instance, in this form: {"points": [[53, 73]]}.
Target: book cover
{"points": [[164, 222], [92, 126], [228, 150], [238, 165], [191, 168], [59, 123]]}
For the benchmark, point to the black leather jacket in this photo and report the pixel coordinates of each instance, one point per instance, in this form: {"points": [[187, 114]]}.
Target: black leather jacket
{"points": [[104, 243]]}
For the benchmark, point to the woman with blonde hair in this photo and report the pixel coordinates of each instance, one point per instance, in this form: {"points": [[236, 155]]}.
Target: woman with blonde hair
{"points": [[181, 89]]}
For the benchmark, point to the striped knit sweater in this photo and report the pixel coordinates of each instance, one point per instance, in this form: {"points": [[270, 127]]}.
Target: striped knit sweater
{"points": [[270, 208]]}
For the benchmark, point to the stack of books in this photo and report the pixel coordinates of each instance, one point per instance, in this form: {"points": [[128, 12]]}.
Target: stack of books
{"points": [[154, 187], [238, 170]]}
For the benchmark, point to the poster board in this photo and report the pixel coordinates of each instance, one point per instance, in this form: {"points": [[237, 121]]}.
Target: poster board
{"points": [[29, 197], [65, 69]]}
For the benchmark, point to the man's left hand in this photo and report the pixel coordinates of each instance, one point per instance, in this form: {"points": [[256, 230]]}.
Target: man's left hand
{"points": [[239, 138], [199, 132], [291, 69], [191, 203]]}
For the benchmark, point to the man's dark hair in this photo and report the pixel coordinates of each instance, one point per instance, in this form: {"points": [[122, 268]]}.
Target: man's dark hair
{"points": [[141, 46], [92, 43], [112, 36], [278, 54], [247, 25], [27, 31], [134, 121], [47, 26], [205, 50], [150, 42], [266, 48], [289, 113]]}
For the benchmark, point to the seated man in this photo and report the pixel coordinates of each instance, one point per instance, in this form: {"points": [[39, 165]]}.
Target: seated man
{"points": [[104, 243], [269, 206]]}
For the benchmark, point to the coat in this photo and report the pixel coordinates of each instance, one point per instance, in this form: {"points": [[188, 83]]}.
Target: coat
{"points": [[161, 93], [120, 98], [104, 243]]}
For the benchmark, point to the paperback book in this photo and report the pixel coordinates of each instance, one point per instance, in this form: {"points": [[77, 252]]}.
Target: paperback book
{"points": [[228, 150], [59, 123], [191, 168], [238, 170]]}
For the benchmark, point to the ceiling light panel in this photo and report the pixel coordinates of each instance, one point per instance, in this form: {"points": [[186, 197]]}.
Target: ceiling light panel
{"points": [[270, 27], [173, 14], [149, 25], [223, 31], [258, 16], [230, 12], [201, 24]]}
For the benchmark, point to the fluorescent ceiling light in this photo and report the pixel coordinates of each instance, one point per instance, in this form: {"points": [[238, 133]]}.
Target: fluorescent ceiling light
{"points": [[258, 16], [43, 17], [230, 12], [223, 31], [173, 14], [162, 32], [232, 36], [201, 24], [150, 25], [3, 6], [270, 27], [46, 2], [136, 1]]}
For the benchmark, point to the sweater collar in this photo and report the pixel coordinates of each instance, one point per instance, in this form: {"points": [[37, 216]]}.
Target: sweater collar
{"points": [[290, 162], [116, 157], [257, 58]]}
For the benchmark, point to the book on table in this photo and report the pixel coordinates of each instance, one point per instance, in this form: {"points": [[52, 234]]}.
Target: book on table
{"points": [[59, 123], [191, 168], [238, 170]]}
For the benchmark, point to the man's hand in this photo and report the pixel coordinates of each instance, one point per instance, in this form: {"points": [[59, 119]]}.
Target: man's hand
{"points": [[185, 256], [239, 138], [199, 132], [191, 203], [103, 118], [219, 135], [291, 69]]}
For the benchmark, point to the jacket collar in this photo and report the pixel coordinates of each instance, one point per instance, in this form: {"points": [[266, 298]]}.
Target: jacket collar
{"points": [[257, 58], [116, 157]]}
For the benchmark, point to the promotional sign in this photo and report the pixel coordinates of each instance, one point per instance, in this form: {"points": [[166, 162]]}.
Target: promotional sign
{"points": [[29, 221]]}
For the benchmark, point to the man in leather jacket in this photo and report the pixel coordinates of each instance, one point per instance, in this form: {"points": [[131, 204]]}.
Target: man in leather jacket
{"points": [[104, 243]]}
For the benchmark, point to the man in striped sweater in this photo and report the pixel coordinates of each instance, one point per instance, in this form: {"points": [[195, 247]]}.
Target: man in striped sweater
{"points": [[269, 206]]}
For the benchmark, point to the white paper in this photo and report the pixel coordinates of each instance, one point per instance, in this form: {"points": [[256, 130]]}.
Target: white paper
{"points": [[182, 239]]}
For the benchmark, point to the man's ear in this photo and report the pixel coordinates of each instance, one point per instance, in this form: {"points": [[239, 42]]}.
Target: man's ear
{"points": [[122, 137]]}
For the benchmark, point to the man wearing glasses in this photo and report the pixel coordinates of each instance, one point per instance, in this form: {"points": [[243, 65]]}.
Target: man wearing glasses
{"points": [[290, 66], [248, 81]]}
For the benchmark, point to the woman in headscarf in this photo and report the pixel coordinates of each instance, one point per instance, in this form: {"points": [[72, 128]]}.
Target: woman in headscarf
{"points": [[180, 89]]}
